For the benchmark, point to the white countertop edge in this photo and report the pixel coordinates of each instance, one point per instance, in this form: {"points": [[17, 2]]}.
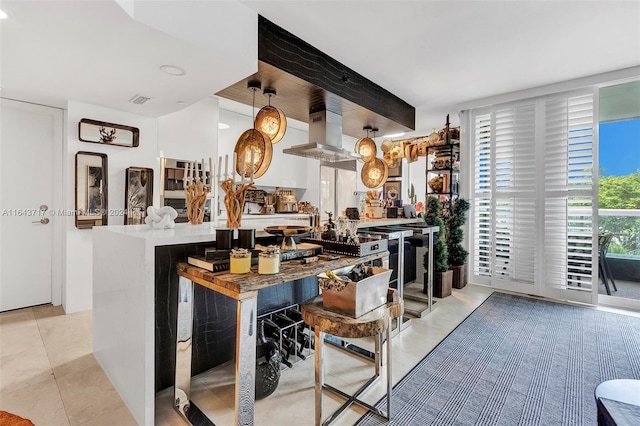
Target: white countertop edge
{"points": [[386, 222], [182, 233], [185, 233]]}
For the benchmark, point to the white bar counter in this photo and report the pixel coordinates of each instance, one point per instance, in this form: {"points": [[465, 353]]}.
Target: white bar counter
{"points": [[124, 306], [124, 301], [124, 298]]}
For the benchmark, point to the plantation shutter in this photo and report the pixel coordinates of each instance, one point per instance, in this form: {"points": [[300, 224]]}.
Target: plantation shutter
{"points": [[533, 195], [482, 209], [569, 193]]}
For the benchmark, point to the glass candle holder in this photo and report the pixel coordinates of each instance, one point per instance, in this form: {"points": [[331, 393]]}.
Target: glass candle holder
{"points": [[224, 239], [240, 261], [269, 261]]}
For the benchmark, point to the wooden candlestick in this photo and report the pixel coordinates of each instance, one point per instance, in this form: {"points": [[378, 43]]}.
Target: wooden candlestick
{"points": [[196, 198], [234, 201]]}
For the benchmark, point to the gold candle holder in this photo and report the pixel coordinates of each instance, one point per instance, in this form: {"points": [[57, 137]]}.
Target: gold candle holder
{"points": [[234, 201], [196, 198]]}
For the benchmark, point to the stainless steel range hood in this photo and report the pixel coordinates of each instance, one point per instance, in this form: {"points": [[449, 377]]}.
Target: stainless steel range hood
{"points": [[325, 139]]}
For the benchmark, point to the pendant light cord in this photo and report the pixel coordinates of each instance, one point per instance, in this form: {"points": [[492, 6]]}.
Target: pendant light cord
{"points": [[253, 107]]}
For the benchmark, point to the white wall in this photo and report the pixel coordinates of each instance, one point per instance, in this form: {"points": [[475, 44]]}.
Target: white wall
{"points": [[285, 171], [78, 284], [187, 134], [415, 174], [190, 134]]}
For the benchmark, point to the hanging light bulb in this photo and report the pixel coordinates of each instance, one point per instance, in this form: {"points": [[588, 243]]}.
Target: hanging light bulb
{"points": [[253, 148], [271, 120]]}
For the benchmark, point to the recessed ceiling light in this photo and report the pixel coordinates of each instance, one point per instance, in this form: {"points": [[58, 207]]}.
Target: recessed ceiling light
{"points": [[3, 14], [223, 126], [394, 135], [173, 70]]}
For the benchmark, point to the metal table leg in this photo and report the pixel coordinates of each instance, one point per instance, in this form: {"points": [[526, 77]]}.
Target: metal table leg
{"points": [[319, 370], [430, 270], [182, 389], [246, 332]]}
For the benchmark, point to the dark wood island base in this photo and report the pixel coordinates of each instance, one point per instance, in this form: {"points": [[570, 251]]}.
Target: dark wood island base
{"points": [[244, 289]]}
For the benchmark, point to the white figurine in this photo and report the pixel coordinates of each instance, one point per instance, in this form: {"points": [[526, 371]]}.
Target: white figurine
{"points": [[159, 218]]}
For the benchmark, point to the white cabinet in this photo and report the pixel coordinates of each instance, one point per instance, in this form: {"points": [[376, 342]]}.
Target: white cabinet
{"points": [[287, 171]]}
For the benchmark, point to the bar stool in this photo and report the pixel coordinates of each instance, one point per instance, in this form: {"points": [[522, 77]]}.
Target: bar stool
{"points": [[376, 323]]}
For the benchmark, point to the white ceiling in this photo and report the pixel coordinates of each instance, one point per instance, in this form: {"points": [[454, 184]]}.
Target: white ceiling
{"points": [[433, 54]]}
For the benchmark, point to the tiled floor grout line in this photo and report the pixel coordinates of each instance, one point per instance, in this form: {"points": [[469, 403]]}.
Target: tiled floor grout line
{"points": [[53, 373]]}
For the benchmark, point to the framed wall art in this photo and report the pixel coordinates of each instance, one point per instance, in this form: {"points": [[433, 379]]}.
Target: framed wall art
{"points": [[91, 189], [138, 194], [95, 131], [395, 170], [393, 191]]}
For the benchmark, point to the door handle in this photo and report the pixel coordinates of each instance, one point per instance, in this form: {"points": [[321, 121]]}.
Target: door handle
{"points": [[43, 221]]}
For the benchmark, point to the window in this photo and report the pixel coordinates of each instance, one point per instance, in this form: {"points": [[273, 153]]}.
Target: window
{"points": [[533, 194]]}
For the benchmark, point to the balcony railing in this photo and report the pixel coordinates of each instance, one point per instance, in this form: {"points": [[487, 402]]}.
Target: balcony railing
{"points": [[623, 254], [625, 227]]}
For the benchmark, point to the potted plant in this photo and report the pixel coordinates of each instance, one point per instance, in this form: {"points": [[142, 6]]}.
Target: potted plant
{"points": [[412, 195], [456, 253], [441, 274]]}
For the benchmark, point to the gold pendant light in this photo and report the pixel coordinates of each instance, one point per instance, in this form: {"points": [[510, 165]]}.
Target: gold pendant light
{"points": [[366, 147], [253, 148], [375, 172], [270, 120]]}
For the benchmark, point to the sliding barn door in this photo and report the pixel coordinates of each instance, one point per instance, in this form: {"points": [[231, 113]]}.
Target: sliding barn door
{"points": [[533, 199]]}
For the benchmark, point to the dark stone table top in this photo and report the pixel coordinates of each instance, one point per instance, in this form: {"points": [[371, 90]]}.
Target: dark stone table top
{"points": [[243, 285]]}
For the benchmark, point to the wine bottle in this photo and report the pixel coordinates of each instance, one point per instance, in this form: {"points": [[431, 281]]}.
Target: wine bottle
{"points": [[267, 364]]}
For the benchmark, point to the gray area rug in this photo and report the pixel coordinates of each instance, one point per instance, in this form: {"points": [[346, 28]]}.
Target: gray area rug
{"points": [[518, 361]]}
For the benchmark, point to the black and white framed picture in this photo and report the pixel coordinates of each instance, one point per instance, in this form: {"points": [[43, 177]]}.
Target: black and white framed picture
{"points": [[94, 190], [138, 194], [91, 192], [392, 191], [395, 170]]}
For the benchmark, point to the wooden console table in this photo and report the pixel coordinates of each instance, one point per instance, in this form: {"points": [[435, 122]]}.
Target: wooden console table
{"points": [[244, 289]]}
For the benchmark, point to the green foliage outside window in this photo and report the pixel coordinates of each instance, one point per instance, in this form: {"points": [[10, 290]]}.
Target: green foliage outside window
{"points": [[621, 192]]}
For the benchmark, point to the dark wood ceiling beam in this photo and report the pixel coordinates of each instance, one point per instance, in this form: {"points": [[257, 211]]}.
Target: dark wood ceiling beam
{"points": [[283, 50]]}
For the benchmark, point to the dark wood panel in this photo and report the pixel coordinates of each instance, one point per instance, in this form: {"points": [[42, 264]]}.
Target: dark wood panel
{"points": [[214, 322], [307, 80]]}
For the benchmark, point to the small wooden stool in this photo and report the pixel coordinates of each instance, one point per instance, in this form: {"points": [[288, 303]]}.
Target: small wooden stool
{"points": [[371, 324]]}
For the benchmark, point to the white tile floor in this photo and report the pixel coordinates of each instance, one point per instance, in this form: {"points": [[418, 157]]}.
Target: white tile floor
{"points": [[49, 375]]}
